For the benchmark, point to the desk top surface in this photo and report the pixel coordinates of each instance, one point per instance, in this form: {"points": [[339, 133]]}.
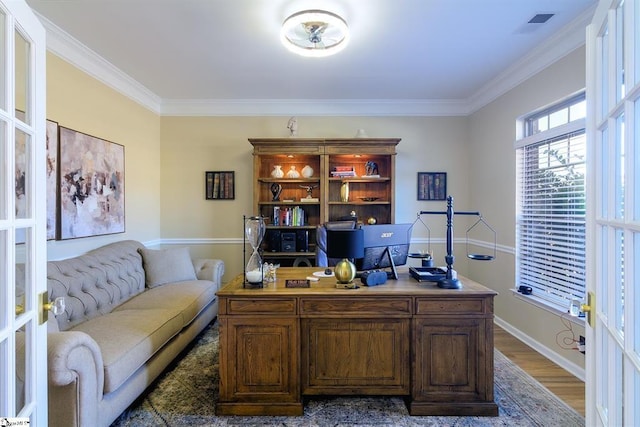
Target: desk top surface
{"points": [[404, 286]]}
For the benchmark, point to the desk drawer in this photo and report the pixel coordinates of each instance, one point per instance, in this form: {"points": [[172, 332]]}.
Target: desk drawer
{"points": [[261, 306], [452, 305], [361, 306]]}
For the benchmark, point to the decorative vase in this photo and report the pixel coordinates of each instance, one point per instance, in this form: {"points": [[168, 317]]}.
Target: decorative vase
{"points": [[293, 173], [277, 171], [307, 171], [254, 229], [344, 192], [276, 189]]}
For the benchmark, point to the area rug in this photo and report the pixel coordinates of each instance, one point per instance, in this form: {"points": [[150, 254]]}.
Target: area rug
{"points": [[186, 396]]}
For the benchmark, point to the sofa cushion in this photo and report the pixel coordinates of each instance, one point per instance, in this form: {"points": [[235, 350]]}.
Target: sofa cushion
{"points": [[94, 283], [164, 266], [190, 298], [128, 338]]}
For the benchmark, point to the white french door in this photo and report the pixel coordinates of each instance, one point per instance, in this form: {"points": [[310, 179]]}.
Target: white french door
{"points": [[613, 220], [23, 340]]}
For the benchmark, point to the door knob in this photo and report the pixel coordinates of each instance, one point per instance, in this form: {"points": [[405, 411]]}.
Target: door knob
{"points": [[589, 309], [56, 307]]}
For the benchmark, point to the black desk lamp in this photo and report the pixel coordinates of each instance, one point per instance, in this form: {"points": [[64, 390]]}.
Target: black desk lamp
{"points": [[348, 245]]}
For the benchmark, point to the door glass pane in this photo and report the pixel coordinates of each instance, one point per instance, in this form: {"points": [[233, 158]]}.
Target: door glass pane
{"points": [[23, 174], [620, 91], [22, 373], [604, 271], [604, 72], [615, 412], [604, 177], [636, 38], [22, 271], [636, 178], [602, 388], [3, 61], [22, 72], [3, 173], [619, 165], [636, 297], [4, 375], [3, 281], [635, 407], [619, 281]]}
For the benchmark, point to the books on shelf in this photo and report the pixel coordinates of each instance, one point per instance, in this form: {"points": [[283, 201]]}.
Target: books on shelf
{"points": [[343, 171], [288, 216]]}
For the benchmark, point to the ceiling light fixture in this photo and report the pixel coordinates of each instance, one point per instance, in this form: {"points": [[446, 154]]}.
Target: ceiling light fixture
{"points": [[314, 33]]}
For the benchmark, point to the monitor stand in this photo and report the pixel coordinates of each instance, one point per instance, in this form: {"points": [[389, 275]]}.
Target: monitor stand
{"points": [[393, 274]]}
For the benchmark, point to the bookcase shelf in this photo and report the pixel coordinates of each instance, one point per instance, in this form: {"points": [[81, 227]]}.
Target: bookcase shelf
{"points": [[361, 157]]}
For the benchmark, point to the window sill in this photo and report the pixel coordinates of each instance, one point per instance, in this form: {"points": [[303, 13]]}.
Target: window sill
{"points": [[543, 304]]}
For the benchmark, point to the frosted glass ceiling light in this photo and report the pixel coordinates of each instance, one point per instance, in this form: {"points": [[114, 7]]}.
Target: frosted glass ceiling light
{"points": [[314, 33]]}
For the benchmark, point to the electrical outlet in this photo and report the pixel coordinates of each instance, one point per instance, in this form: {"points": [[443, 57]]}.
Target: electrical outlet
{"points": [[582, 345]]}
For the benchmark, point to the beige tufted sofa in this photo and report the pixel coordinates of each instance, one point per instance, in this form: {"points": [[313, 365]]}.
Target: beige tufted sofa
{"points": [[129, 312]]}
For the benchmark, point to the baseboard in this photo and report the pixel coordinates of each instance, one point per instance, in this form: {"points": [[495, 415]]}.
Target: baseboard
{"points": [[567, 365]]}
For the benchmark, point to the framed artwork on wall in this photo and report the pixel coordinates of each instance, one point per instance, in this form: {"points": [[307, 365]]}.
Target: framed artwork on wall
{"points": [[219, 185], [52, 180], [432, 186], [91, 187], [22, 154]]}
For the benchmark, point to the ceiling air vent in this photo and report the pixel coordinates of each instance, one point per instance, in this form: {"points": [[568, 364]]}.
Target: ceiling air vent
{"points": [[541, 18]]}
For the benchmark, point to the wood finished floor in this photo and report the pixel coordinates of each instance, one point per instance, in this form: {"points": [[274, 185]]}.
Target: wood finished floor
{"points": [[562, 383]]}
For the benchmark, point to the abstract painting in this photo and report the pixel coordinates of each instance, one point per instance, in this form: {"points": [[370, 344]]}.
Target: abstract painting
{"points": [[52, 179], [91, 185]]}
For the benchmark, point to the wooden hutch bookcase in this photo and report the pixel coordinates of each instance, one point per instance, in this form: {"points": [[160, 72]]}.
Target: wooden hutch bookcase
{"points": [[364, 166]]}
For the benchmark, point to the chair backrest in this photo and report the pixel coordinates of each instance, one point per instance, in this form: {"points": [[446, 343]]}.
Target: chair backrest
{"points": [[321, 240]]}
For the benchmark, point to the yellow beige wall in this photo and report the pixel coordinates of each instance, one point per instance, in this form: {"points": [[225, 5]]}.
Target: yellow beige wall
{"points": [[166, 158], [492, 189], [77, 101], [193, 145]]}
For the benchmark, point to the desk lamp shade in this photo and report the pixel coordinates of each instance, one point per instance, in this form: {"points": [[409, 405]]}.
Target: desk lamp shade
{"points": [[345, 244]]}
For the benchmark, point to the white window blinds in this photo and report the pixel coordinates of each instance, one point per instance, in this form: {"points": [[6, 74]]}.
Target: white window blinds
{"points": [[550, 223]]}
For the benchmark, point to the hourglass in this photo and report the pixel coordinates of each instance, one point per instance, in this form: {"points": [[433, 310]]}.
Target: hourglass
{"points": [[254, 229]]}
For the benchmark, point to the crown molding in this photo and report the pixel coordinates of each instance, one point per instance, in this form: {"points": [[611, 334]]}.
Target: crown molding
{"points": [[313, 107], [61, 44], [556, 47], [569, 38]]}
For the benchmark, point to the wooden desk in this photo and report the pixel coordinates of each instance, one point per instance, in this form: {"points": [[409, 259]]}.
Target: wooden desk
{"points": [[434, 346]]}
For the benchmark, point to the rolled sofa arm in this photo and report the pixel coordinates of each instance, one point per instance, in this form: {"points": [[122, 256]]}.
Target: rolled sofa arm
{"points": [[76, 378], [209, 269]]}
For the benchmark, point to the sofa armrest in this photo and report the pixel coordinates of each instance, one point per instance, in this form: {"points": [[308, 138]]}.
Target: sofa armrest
{"points": [[76, 378], [209, 269], [75, 356]]}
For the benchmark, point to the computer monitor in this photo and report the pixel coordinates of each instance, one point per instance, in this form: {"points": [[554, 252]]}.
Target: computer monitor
{"points": [[385, 246]]}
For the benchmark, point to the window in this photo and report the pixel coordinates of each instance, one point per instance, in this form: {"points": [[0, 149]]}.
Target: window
{"points": [[550, 223]]}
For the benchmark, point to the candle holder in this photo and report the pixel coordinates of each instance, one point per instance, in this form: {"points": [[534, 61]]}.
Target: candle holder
{"points": [[254, 230]]}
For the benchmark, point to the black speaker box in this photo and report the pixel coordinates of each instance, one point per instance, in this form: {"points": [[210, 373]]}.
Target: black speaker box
{"points": [[302, 240], [273, 240], [287, 241]]}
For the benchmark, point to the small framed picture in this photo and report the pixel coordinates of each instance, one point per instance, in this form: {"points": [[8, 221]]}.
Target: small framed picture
{"points": [[432, 186], [219, 185]]}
